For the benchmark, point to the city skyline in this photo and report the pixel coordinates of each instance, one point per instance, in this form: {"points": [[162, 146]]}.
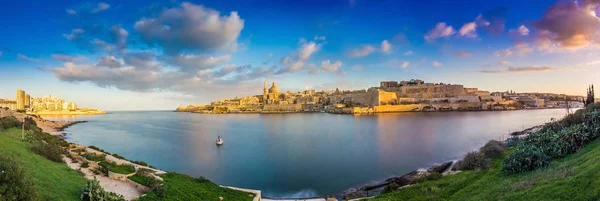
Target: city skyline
{"points": [[162, 55]]}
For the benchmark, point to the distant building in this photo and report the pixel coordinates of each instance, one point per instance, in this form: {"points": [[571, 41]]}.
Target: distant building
{"points": [[20, 99], [10, 104], [27, 100], [389, 84]]}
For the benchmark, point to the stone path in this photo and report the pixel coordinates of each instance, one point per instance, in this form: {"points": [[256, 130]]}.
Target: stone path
{"points": [[128, 190]]}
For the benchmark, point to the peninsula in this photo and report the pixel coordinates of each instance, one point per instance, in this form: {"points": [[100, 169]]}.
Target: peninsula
{"points": [[47, 105], [391, 96]]}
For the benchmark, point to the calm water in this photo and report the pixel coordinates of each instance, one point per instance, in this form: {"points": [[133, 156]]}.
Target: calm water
{"points": [[298, 155]]}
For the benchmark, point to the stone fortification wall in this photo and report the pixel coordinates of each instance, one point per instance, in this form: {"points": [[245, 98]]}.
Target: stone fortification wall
{"points": [[431, 91], [286, 107]]}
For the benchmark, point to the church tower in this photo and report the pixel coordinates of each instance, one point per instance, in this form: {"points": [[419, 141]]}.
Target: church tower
{"points": [[265, 92]]}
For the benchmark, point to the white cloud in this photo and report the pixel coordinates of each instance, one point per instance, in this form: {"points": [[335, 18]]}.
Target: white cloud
{"points": [[386, 47], [317, 37], [71, 11], [522, 31], [468, 30], [505, 63], [102, 45], [74, 35], [67, 58], [358, 67], [270, 55], [481, 21], [196, 62], [405, 64], [308, 49], [439, 31], [110, 61], [101, 7], [582, 64], [363, 51], [331, 67], [26, 58], [410, 52], [301, 56], [436, 64], [522, 48], [503, 53], [191, 27]]}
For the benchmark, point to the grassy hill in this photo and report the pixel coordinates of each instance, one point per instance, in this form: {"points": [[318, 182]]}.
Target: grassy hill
{"points": [[51, 180]]}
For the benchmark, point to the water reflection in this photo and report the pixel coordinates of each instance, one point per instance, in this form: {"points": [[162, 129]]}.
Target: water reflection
{"points": [[297, 154]]}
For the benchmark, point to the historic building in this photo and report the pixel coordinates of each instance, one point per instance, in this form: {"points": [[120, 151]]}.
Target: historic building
{"points": [[271, 96]]}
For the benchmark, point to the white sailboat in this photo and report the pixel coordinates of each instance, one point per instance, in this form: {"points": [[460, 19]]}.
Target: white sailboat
{"points": [[219, 141]]}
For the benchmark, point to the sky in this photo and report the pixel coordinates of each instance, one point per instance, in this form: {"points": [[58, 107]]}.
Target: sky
{"points": [[141, 55]]}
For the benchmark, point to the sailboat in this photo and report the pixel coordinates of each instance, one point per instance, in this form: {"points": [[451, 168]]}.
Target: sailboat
{"points": [[219, 141]]}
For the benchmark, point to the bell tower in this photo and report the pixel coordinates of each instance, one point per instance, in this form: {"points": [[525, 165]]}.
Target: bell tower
{"points": [[265, 92]]}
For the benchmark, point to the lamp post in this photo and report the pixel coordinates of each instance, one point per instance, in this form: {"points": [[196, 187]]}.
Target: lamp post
{"points": [[23, 129]]}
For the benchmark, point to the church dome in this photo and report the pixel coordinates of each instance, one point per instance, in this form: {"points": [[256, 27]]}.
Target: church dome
{"points": [[274, 89]]}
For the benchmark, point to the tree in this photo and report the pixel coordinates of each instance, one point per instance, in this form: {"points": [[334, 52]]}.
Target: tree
{"points": [[590, 96]]}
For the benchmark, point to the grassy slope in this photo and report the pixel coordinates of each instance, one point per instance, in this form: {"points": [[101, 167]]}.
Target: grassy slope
{"points": [[574, 177], [182, 187], [52, 181]]}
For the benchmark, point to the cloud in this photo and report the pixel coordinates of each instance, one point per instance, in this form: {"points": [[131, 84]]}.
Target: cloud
{"points": [[439, 31], [286, 60], [520, 31], [102, 45], [101, 7], [119, 37], [522, 48], [331, 67], [363, 51], [462, 54], [570, 24], [503, 53], [75, 34], [191, 27], [317, 37], [269, 54], [110, 61], [70, 11], [410, 52], [26, 58], [142, 60], [505, 63], [405, 64], [67, 58], [386, 47], [308, 49], [299, 58], [358, 67], [436, 64], [520, 69], [493, 21], [190, 62], [468, 30], [480, 21]]}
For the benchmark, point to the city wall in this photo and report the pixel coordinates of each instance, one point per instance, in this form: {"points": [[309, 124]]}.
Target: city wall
{"points": [[282, 108]]}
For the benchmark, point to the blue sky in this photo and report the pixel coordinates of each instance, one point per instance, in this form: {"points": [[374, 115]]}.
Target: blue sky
{"points": [[139, 55]]}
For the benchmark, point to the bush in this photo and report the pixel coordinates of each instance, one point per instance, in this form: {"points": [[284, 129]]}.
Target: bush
{"points": [[94, 157], [117, 156], [474, 160], [49, 151], [142, 163], [145, 179], [94, 192], [390, 188], [98, 149], [14, 183], [85, 165], [105, 166], [493, 149], [524, 159], [9, 122], [431, 177]]}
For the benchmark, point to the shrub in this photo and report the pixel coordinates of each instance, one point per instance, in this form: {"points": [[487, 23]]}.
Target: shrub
{"points": [[122, 169], [117, 156], [512, 141], [85, 165], [14, 183], [94, 192], [493, 149], [9, 122], [431, 177], [47, 150], [94, 157], [105, 166], [524, 159], [146, 180], [390, 188], [142, 163], [474, 160], [98, 149]]}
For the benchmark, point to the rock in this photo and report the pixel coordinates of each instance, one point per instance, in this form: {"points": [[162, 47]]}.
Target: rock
{"points": [[440, 168], [456, 166], [352, 194], [220, 198], [331, 198]]}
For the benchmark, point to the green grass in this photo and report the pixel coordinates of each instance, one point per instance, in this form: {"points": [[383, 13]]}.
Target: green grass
{"points": [[52, 181], [143, 180], [93, 157], [182, 187], [574, 177], [122, 169]]}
